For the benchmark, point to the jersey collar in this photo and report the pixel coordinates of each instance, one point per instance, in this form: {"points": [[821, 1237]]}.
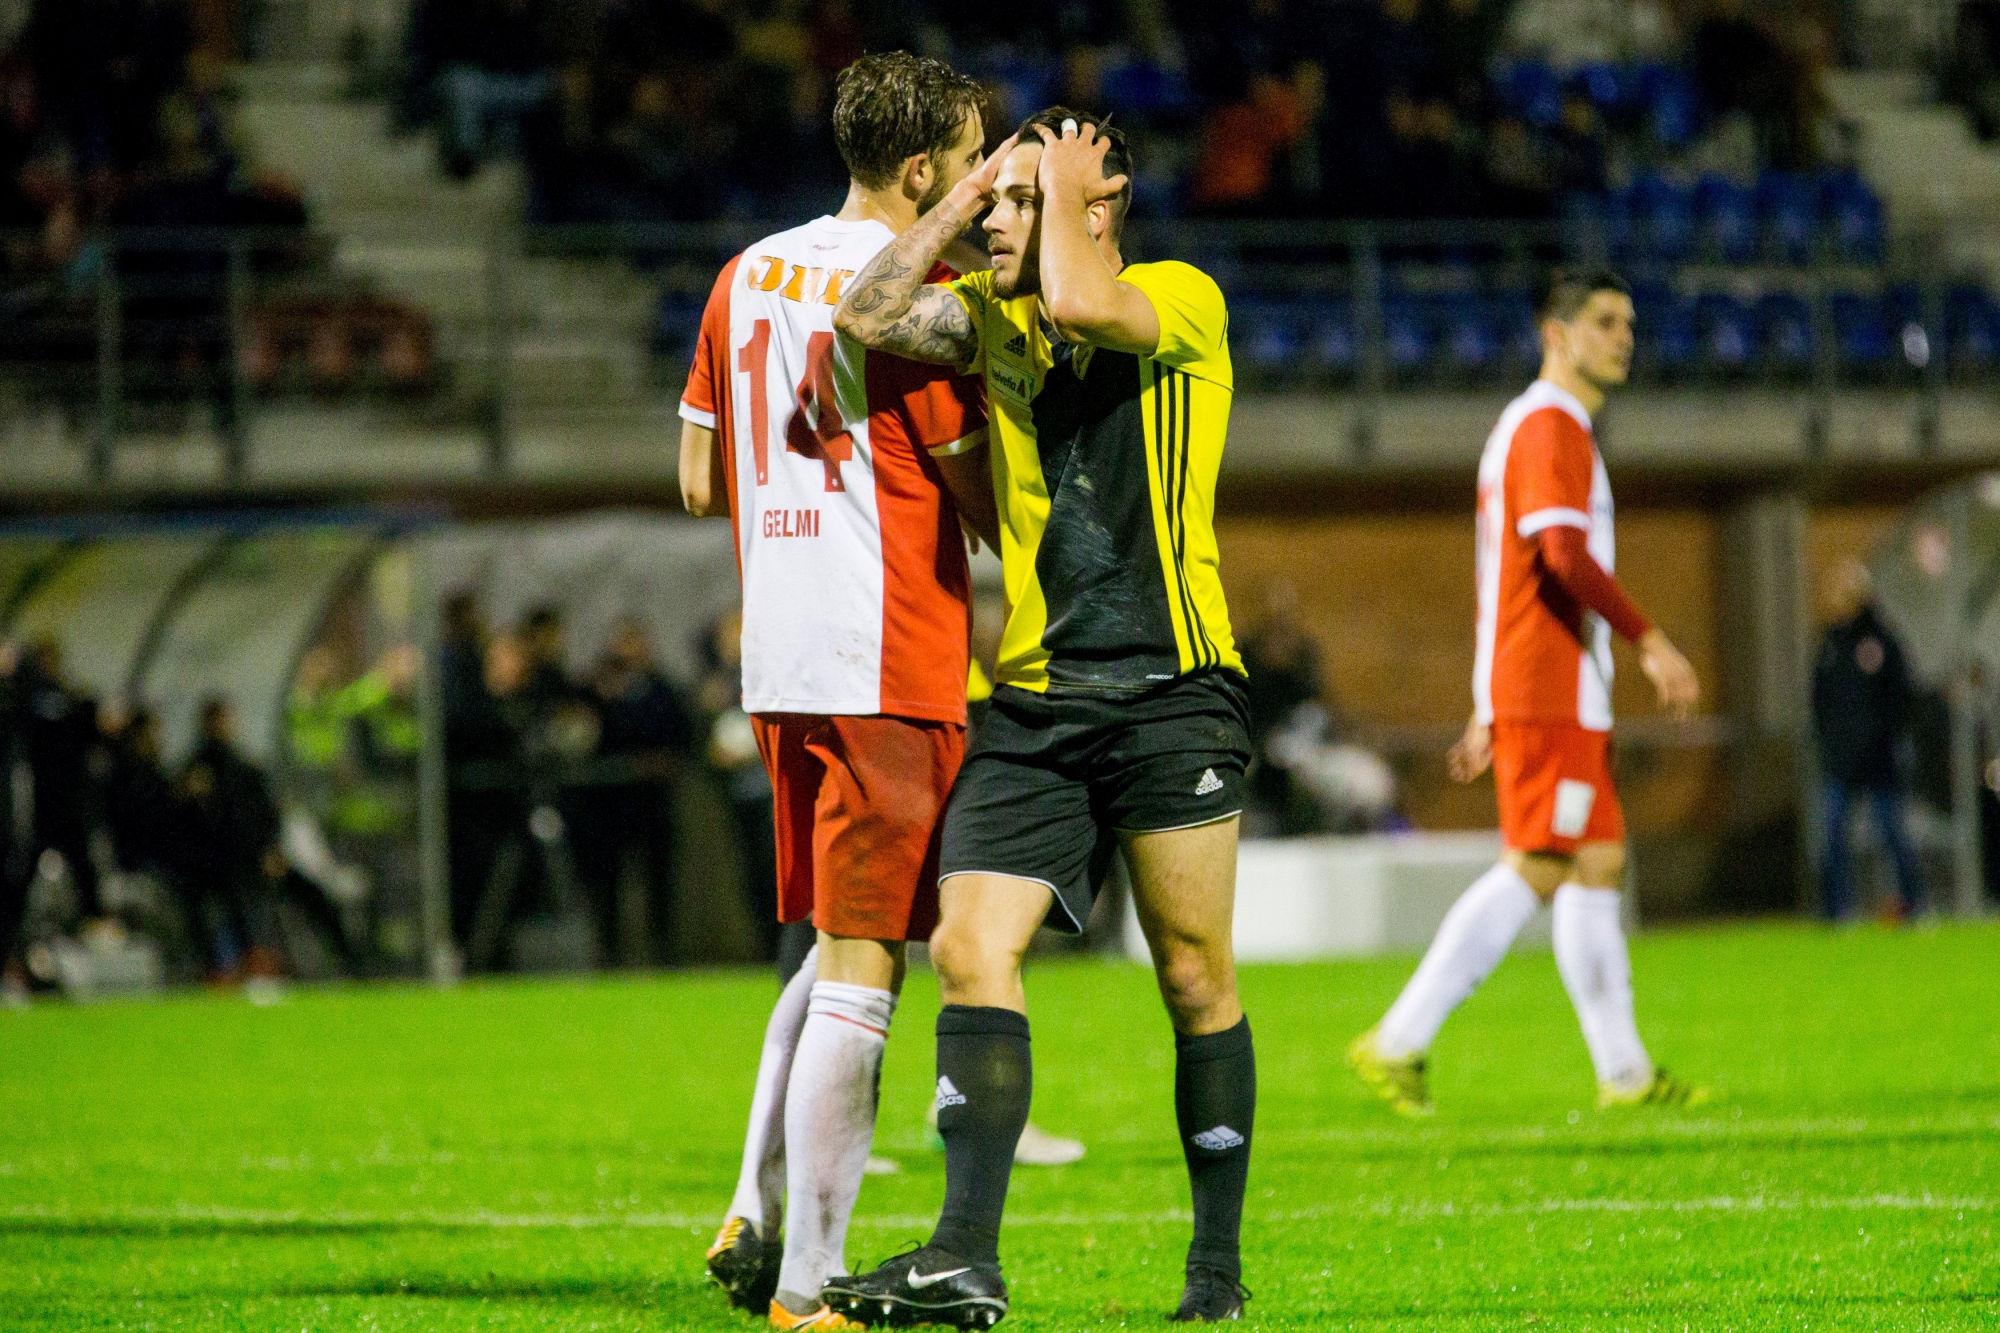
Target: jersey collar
{"points": [[1547, 393]]}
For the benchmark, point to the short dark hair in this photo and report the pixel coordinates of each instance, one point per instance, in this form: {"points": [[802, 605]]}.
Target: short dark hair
{"points": [[1563, 292], [1117, 158], [889, 107]]}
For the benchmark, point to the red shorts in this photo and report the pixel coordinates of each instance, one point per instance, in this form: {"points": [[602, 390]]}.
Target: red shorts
{"points": [[859, 803], [1555, 788]]}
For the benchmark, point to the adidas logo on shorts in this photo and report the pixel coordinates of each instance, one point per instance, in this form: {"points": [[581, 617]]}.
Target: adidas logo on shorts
{"points": [[1209, 784], [1220, 1139], [948, 1095]]}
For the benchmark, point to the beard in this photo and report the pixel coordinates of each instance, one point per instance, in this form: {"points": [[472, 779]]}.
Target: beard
{"points": [[932, 197], [1026, 280]]}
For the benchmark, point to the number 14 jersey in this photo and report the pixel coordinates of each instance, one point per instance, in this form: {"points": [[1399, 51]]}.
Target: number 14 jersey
{"points": [[855, 586]]}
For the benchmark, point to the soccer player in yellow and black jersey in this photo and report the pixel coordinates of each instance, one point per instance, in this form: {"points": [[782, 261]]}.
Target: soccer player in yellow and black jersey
{"points": [[1118, 718]]}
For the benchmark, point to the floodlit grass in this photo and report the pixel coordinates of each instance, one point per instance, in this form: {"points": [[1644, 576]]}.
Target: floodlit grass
{"points": [[555, 1155]]}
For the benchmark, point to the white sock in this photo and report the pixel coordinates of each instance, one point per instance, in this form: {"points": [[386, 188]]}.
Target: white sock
{"points": [[760, 1185], [1473, 939], [829, 1122], [1597, 972]]}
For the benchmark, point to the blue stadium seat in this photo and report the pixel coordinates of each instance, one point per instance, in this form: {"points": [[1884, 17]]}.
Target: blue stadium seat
{"points": [[1727, 329], [1467, 328], [1666, 328], [676, 323], [1267, 333], [1514, 327], [1023, 83], [1860, 331], [1596, 222], [1608, 87], [1333, 342], [1727, 213], [1144, 87], [1408, 334], [1911, 338], [1785, 330], [1533, 91], [1854, 214], [1663, 217], [1972, 327], [1789, 205], [1672, 102]]}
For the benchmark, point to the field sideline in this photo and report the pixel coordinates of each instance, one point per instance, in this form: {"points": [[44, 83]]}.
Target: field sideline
{"points": [[553, 1155]]}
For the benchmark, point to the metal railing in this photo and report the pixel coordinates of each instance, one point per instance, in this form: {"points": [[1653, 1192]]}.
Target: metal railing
{"points": [[198, 334]]}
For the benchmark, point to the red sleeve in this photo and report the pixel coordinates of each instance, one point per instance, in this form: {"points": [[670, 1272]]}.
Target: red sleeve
{"points": [[939, 406], [1566, 556], [1549, 468], [711, 345]]}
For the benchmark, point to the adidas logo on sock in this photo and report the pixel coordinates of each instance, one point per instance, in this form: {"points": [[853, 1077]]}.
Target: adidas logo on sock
{"points": [[1209, 783], [947, 1095], [1018, 345], [1220, 1139]]}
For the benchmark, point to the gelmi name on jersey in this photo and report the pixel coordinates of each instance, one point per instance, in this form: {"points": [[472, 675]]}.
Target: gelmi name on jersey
{"points": [[797, 282], [791, 523]]}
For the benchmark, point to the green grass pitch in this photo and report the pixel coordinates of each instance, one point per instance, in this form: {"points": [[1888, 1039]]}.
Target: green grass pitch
{"points": [[554, 1155]]}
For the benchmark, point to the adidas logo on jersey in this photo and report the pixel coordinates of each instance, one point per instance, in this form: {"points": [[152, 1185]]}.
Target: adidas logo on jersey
{"points": [[948, 1095], [1220, 1139], [1017, 345], [1209, 784]]}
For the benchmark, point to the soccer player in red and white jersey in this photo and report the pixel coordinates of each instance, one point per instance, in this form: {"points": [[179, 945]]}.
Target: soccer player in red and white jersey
{"points": [[846, 473], [1548, 605]]}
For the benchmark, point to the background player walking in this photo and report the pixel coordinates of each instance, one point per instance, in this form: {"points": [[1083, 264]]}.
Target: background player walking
{"points": [[1119, 720], [831, 461], [1541, 685]]}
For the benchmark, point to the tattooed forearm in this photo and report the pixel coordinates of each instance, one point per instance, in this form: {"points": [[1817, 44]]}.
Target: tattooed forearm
{"points": [[887, 306]]}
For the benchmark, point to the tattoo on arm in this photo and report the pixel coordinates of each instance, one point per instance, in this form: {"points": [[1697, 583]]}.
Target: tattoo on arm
{"points": [[889, 307]]}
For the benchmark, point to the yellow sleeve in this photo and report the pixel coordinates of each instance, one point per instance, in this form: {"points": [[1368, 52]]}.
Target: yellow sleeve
{"points": [[975, 292], [1194, 319]]}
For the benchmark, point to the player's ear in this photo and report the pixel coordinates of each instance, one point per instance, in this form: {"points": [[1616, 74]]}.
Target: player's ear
{"points": [[917, 174], [1097, 217]]}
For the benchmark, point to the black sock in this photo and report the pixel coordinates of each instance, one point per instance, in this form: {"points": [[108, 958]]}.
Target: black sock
{"points": [[985, 1081], [1215, 1100]]}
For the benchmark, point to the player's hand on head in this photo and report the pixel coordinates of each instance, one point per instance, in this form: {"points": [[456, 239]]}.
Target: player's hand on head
{"points": [[1473, 754], [1074, 161], [1672, 675], [980, 182]]}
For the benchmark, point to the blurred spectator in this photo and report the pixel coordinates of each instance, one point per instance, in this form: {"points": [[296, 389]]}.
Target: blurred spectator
{"points": [[1861, 700], [1972, 68], [1284, 676], [149, 828], [1743, 67], [58, 731], [234, 842], [1243, 140], [733, 757], [646, 725], [13, 862], [487, 64], [1570, 34]]}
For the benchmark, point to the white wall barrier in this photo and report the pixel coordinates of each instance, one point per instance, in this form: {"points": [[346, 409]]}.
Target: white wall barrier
{"points": [[1300, 898]]}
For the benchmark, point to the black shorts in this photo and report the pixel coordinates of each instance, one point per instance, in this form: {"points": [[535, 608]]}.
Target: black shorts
{"points": [[1052, 780]]}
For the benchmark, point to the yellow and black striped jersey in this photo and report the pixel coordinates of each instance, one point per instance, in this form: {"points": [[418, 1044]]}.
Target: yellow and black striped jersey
{"points": [[1104, 465]]}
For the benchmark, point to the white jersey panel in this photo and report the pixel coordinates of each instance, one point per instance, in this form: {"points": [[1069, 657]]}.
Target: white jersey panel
{"points": [[1593, 682], [809, 532]]}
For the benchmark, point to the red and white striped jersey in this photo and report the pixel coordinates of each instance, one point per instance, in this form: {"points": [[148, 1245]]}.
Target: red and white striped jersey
{"points": [[855, 586], [1541, 656]]}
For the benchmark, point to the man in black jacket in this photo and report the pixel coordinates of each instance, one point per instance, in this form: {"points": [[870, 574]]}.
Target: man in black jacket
{"points": [[1861, 695]]}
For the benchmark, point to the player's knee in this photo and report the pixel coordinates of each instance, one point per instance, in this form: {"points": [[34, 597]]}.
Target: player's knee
{"points": [[1193, 981], [1601, 865], [968, 959]]}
